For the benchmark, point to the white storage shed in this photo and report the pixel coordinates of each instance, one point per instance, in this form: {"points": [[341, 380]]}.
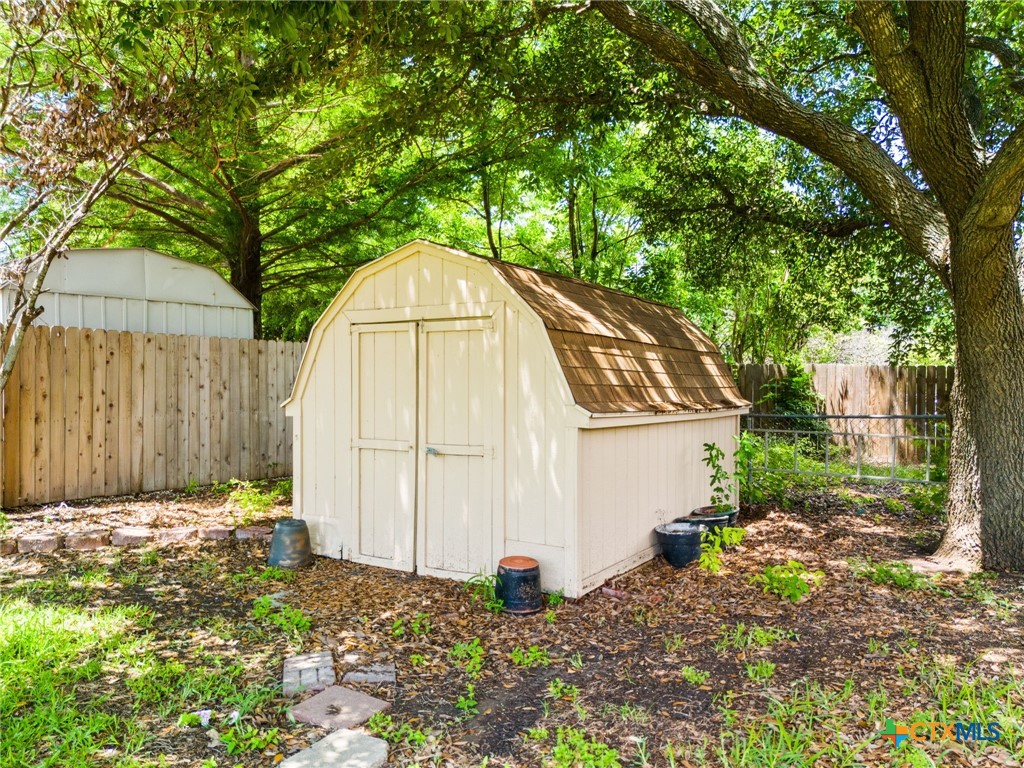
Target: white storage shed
{"points": [[136, 289], [451, 410]]}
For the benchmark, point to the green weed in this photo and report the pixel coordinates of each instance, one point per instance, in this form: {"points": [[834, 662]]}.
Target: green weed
{"points": [[741, 637], [694, 676], [760, 671], [530, 657], [470, 656], [573, 749], [790, 581]]}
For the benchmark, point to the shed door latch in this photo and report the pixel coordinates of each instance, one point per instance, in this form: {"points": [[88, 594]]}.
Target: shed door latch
{"points": [[431, 451]]}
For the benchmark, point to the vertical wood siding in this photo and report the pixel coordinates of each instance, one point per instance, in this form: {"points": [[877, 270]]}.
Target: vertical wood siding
{"points": [[102, 413], [632, 479]]}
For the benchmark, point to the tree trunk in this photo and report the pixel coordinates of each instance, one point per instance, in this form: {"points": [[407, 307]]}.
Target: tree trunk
{"points": [[247, 269], [986, 472]]}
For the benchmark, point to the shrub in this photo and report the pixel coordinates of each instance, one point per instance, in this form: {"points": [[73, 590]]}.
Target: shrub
{"points": [[791, 581]]}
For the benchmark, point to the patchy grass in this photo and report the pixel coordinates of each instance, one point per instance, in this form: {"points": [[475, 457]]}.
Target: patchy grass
{"points": [[130, 658]]}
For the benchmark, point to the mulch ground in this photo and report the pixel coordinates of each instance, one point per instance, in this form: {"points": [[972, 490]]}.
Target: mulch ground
{"points": [[631, 638]]}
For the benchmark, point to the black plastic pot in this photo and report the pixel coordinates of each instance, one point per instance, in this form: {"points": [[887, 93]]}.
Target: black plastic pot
{"points": [[680, 541], [709, 517], [519, 585], [289, 546]]}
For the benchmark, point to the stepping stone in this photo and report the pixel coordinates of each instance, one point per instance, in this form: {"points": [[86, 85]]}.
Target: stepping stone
{"points": [[374, 674], [83, 540], [40, 542], [309, 672], [131, 536], [175, 535], [337, 708], [216, 533], [8, 546], [341, 749], [254, 532]]}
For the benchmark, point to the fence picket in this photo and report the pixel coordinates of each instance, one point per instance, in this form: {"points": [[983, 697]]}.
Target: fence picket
{"points": [[93, 412]]}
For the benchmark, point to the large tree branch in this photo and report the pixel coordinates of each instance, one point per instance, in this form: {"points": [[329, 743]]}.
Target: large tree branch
{"points": [[997, 200], [170, 191], [923, 77], [163, 213], [762, 103]]}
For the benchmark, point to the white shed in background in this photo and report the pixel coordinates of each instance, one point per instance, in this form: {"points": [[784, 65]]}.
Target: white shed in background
{"points": [[451, 410], [136, 289]]}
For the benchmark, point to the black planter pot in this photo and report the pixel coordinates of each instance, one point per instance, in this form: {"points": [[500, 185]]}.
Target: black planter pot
{"points": [[709, 517], [680, 541]]}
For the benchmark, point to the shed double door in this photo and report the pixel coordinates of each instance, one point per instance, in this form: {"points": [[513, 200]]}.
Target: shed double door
{"points": [[425, 396]]}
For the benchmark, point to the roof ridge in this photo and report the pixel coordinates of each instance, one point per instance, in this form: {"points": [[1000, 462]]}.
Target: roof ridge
{"points": [[570, 278]]}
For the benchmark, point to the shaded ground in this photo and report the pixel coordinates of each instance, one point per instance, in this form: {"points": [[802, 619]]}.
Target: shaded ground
{"points": [[846, 656], [202, 507]]}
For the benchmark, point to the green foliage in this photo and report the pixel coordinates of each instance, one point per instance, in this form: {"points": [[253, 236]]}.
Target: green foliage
{"points": [[470, 656], [559, 689], [240, 738], [283, 490], [722, 489], [420, 624], [269, 573], [694, 676], [760, 671], [466, 702], [383, 725], [250, 499], [742, 636], [574, 749], [555, 598], [483, 588], [790, 581], [895, 574], [290, 620], [530, 657], [928, 500], [47, 652], [713, 542], [673, 642]]}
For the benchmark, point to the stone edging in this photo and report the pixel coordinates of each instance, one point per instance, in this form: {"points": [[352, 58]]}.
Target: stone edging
{"points": [[131, 536]]}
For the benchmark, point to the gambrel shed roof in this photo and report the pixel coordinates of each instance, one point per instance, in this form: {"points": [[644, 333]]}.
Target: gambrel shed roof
{"points": [[622, 354]]}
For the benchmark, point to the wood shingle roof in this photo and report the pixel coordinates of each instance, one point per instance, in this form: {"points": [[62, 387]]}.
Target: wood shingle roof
{"points": [[622, 354]]}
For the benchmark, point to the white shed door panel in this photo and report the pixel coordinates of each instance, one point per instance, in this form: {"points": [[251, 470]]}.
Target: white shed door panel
{"points": [[384, 448], [457, 392]]}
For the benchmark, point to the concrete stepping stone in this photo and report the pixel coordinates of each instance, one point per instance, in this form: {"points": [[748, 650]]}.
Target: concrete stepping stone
{"points": [[40, 542], [341, 749], [216, 533], [373, 674], [338, 707], [308, 672], [175, 535], [257, 532], [96, 538], [131, 536]]}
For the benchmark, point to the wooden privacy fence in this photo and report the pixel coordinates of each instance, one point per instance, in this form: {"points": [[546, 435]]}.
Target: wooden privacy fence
{"points": [[864, 390], [102, 413]]}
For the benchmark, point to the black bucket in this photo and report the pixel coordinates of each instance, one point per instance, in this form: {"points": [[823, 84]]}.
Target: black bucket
{"points": [[289, 546], [680, 542], [709, 517], [519, 585]]}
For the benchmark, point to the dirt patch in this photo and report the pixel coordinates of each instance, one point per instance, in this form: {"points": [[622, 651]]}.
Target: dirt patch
{"points": [[204, 508]]}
